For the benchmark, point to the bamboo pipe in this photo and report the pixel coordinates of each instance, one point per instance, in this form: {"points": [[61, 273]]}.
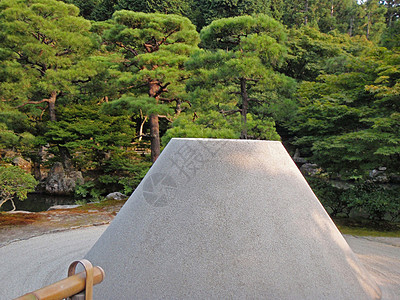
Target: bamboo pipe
{"points": [[65, 288]]}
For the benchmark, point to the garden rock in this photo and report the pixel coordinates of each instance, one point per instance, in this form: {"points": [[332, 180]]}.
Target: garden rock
{"points": [[22, 163], [309, 169], [116, 196], [62, 182]]}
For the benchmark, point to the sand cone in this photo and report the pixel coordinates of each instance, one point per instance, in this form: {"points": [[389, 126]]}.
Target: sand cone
{"points": [[226, 219]]}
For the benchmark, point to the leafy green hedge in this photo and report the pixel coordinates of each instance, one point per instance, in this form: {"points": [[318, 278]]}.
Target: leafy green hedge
{"points": [[376, 201]]}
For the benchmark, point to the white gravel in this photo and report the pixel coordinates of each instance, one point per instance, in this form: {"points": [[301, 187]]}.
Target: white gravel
{"points": [[30, 264], [381, 257]]}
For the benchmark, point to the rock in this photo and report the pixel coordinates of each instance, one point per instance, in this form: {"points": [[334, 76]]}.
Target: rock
{"points": [[116, 196], [55, 207], [22, 163], [379, 175], [62, 182], [309, 169], [7, 153], [17, 159], [297, 158]]}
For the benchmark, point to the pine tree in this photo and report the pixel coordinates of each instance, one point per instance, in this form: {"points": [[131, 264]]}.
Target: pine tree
{"points": [[178, 7], [155, 48], [235, 78], [347, 120], [203, 12], [372, 20], [45, 49]]}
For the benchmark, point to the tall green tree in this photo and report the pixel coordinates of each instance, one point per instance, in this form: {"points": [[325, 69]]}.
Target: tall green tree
{"points": [[392, 11], [100, 145], [103, 10], [385, 129], [372, 20], [337, 15], [15, 131], [45, 49], [346, 122], [178, 7], [86, 7], [312, 53], [391, 37], [298, 13], [155, 48], [235, 76], [203, 12], [326, 15]]}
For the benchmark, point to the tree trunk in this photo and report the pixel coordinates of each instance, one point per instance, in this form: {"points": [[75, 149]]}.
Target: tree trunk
{"points": [[306, 13], [245, 107], [178, 107], [351, 26], [52, 106], [36, 171], [154, 91], [154, 137], [66, 159], [332, 12]]}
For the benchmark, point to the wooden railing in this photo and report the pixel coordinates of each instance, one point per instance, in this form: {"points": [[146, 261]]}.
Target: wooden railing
{"points": [[76, 286]]}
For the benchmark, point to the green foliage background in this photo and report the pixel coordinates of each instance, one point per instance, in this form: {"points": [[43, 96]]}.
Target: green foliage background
{"points": [[79, 81]]}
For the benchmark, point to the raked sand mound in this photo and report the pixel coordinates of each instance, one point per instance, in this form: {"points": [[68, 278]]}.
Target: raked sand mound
{"points": [[226, 219]]}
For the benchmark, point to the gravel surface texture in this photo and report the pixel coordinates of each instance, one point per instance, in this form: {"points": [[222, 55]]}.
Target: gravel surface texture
{"points": [[29, 264]]}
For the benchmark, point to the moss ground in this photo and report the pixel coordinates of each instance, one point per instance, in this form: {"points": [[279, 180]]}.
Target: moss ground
{"points": [[364, 227]]}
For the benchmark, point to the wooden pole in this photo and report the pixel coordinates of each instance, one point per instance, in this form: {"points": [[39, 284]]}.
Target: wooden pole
{"points": [[65, 288]]}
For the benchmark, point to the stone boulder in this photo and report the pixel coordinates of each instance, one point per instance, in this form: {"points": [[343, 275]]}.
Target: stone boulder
{"points": [[22, 163], [116, 196], [57, 207], [62, 182], [309, 169], [379, 175]]}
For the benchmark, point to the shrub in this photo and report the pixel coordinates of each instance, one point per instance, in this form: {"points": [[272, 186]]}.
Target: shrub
{"points": [[15, 184], [376, 201]]}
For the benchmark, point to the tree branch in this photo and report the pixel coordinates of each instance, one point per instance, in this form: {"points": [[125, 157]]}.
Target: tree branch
{"points": [[153, 45], [165, 117], [128, 48], [195, 116], [82, 81], [167, 36], [229, 112], [162, 89], [42, 68], [33, 102], [65, 52], [131, 63], [251, 79]]}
